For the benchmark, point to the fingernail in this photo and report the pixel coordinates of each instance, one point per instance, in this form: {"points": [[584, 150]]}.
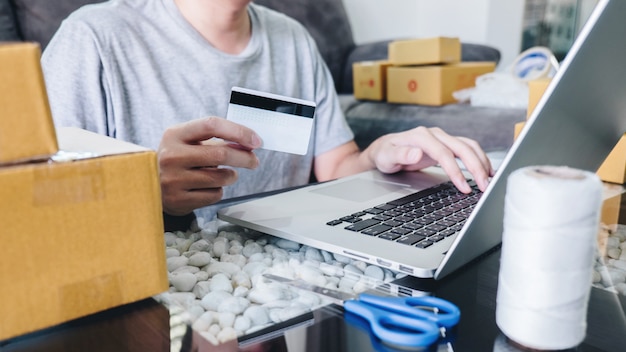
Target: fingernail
{"points": [[485, 183], [256, 140]]}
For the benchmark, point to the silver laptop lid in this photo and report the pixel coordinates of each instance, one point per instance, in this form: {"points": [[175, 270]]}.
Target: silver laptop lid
{"points": [[578, 121]]}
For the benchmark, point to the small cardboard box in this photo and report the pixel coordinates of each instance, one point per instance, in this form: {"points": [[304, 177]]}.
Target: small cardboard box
{"points": [[518, 129], [79, 236], [26, 128], [432, 85], [370, 80], [426, 51], [613, 169], [536, 88]]}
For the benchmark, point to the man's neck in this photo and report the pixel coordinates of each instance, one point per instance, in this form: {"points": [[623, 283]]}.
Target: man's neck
{"points": [[224, 24]]}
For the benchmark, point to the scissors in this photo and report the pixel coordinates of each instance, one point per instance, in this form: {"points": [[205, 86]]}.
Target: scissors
{"points": [[397, 321]]}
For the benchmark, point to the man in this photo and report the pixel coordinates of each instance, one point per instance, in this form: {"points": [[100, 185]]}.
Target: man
{"points": [[150, 71]]}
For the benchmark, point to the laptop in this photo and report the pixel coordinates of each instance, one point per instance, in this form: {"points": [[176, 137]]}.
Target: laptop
{"points": [[577, 122]]}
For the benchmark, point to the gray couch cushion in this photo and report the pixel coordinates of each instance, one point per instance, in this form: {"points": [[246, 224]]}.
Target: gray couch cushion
{"points": [[8, 29], [492, 128], [39, 19]]}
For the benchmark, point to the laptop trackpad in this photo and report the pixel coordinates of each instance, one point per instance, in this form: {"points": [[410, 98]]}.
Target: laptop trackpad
{"points": [[358, 190]]}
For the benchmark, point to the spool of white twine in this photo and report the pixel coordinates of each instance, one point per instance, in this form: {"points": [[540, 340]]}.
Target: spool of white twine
{"points": [[551, 219]]}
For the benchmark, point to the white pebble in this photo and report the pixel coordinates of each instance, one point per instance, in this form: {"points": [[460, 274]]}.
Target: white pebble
{"points": [[221, 282], [237, 259], [220, 247], [349, 268], [200, 259], [268, 295], [186, 269], [313, 254], [342, 259], [209, 337], [242, 324], [174, 263], [227, 334], [287, 244], [215, 328], [241, 291], [202, 275], [183, 282], [228, 269], [374, 272], [170, 239], [172, 252], [201, 246], [252, 248], [201, 289], [256, 257], [185, 299], [213, 299], [255, 268], [226, 319], [258, 315], [235, 305], [241, 279], [328, 258]]}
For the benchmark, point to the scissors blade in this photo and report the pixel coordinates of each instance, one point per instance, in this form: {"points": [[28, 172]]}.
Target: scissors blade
{"points": [[335, 295]]}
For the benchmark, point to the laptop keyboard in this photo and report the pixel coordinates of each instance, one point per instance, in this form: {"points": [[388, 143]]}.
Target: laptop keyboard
{"points": [[419, 219]]}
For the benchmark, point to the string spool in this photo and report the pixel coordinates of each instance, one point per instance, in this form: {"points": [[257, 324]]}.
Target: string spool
{"points": [[551, 220]]}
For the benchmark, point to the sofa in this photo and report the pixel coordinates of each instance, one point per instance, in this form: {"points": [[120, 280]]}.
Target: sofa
{"points": [[328, 23]]}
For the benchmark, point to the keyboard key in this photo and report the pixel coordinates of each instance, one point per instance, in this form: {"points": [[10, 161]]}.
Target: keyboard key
{"points": [[334, 222], [411, 239], [389, 236], [382, 217], [374, 211], [362, 225], [376, 230], [401, 231], [385, 206], [393, 223], [424, 244]]}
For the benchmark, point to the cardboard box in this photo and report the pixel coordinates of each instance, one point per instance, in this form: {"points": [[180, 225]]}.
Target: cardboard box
{"points": [[370, 80], [518, 129], [80, 236], [26, 128], [536, 88], [613, 169], [426, 51], [432, 85]]}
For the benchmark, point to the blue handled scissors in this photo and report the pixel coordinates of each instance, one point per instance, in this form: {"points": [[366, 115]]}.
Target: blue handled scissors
{"points": [[398, 321]]}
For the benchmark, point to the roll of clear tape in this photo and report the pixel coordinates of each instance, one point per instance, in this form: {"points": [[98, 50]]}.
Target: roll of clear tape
{"points": [[534, 63], [551, 220]]}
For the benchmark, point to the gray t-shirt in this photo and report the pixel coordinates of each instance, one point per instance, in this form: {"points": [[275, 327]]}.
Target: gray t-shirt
{"points": [[129, 69]]}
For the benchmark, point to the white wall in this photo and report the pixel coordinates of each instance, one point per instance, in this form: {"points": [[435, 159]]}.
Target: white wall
{"points": [[494, 22]]}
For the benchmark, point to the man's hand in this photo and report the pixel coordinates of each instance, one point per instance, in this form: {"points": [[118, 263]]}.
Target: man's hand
{"points": [[423, 147], [191, 162]]}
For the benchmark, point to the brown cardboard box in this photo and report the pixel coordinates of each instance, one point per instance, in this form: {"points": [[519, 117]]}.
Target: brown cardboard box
{"points": [[370, 79], [613, 169], [426, 51], [81, 236], [536, 88], [518, 128], [432, 85], [26, 128]]}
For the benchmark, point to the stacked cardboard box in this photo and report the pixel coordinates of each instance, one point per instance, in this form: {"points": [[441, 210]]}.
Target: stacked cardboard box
{"points": [[613, 169], [418, 71], [82, 231]]}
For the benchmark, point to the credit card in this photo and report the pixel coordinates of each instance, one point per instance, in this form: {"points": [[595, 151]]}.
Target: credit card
{"points": [[283, 123]]}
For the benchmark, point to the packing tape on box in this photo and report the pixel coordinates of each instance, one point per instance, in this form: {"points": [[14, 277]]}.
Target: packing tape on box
{"points": [[534, 63], [551, 221]]}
